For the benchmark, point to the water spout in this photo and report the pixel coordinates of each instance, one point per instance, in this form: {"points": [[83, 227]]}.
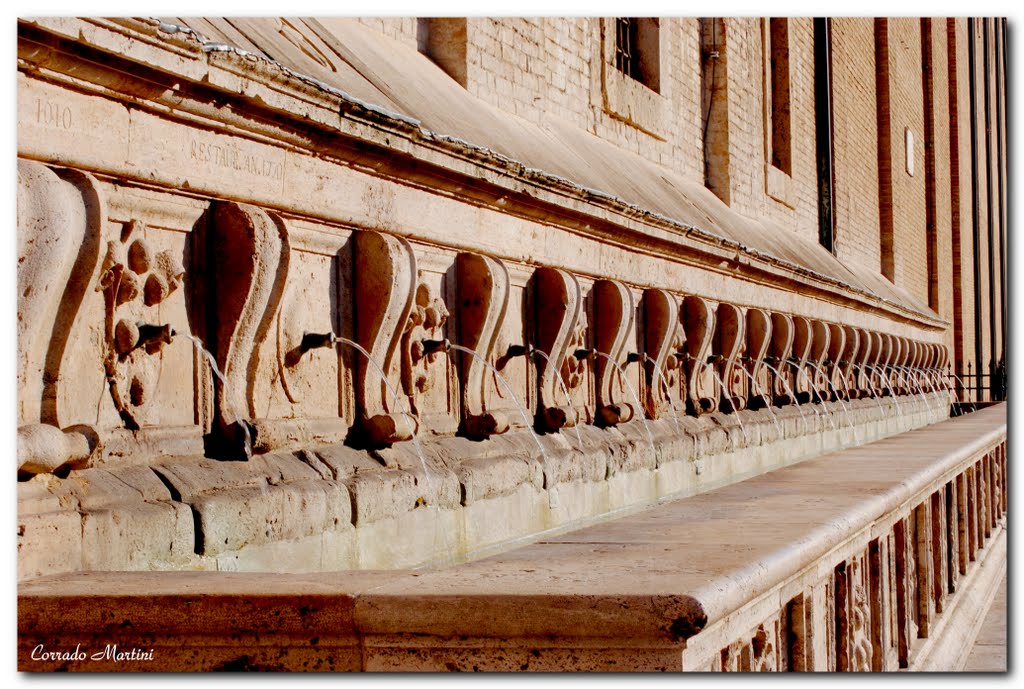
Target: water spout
{"points": [[310, 341], [226, 397], [721, 384], [154, 336]]}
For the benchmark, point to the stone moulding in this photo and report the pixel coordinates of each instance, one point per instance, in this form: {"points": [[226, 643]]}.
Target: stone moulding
{"points": [[483, 295]]}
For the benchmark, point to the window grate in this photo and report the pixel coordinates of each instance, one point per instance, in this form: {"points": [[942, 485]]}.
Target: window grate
{"points": [[627, 54]]}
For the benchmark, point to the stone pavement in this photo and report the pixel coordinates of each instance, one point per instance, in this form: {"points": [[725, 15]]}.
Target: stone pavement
{"points": [[989, 651]]}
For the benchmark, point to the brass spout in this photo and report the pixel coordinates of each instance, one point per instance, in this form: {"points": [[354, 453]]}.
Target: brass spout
{"points": [[715, 358], [681, 355], [584, 353], [153, 337], [317, 341], [518, 350], [431, 346], [309, 342], [633, 357]]}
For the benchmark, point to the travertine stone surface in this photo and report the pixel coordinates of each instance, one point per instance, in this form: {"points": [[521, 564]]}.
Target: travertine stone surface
{"points": [[715, 581]]}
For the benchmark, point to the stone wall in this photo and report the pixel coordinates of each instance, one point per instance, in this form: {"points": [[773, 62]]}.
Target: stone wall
{"points": [[246, 292]]}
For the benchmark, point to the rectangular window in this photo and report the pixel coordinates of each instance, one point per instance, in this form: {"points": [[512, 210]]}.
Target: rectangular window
{"points": [[778, 154], [778, 37], [824, 132], [714, 82], [637, 50]]}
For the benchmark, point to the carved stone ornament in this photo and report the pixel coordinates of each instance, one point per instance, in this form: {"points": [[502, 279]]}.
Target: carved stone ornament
{"points": [[664, 340], [780, 352], [865, 357], [59, 224], [802, 343], [728, 347], [846, 373], [134, 281], [559, 332], [426, 321], [886, 352], [817, 380], [837, 350], [613, 324], [698, 317], [385, 295], [759, 336], [241, 256], [483, 296]]}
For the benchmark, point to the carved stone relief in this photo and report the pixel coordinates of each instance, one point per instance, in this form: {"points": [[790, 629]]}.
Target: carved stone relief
{"points": [[59, 217], [699, 326], [560, 332], [838, 350], [421, 368], [729, 347], [385, 295], [613, 327], [765, 649], [133, 280], [240, 265], [865, 357], [664, 339], [821, 337], [846, 369], [853, 609], [780, 352], [759, 337], [803, 340], [483, 297]]}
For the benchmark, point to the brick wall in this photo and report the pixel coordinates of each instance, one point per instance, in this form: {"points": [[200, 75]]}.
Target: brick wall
{"points": [[942, 278], [541, 68], [855, 137], [906, 113]]}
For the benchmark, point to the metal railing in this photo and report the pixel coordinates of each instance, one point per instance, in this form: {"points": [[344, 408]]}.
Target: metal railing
{"points": [[973, 386]]}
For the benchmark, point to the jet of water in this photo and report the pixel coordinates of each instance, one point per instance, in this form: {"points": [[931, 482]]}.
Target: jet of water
{"points": [[668, 391], [767, 400], [568, 399], [707, 365], [552, 492], [789, 390], [247, 440], [639, 407]]}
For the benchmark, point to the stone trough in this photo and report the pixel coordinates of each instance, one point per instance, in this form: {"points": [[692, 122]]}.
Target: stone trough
{"points": [[878, 557]]}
